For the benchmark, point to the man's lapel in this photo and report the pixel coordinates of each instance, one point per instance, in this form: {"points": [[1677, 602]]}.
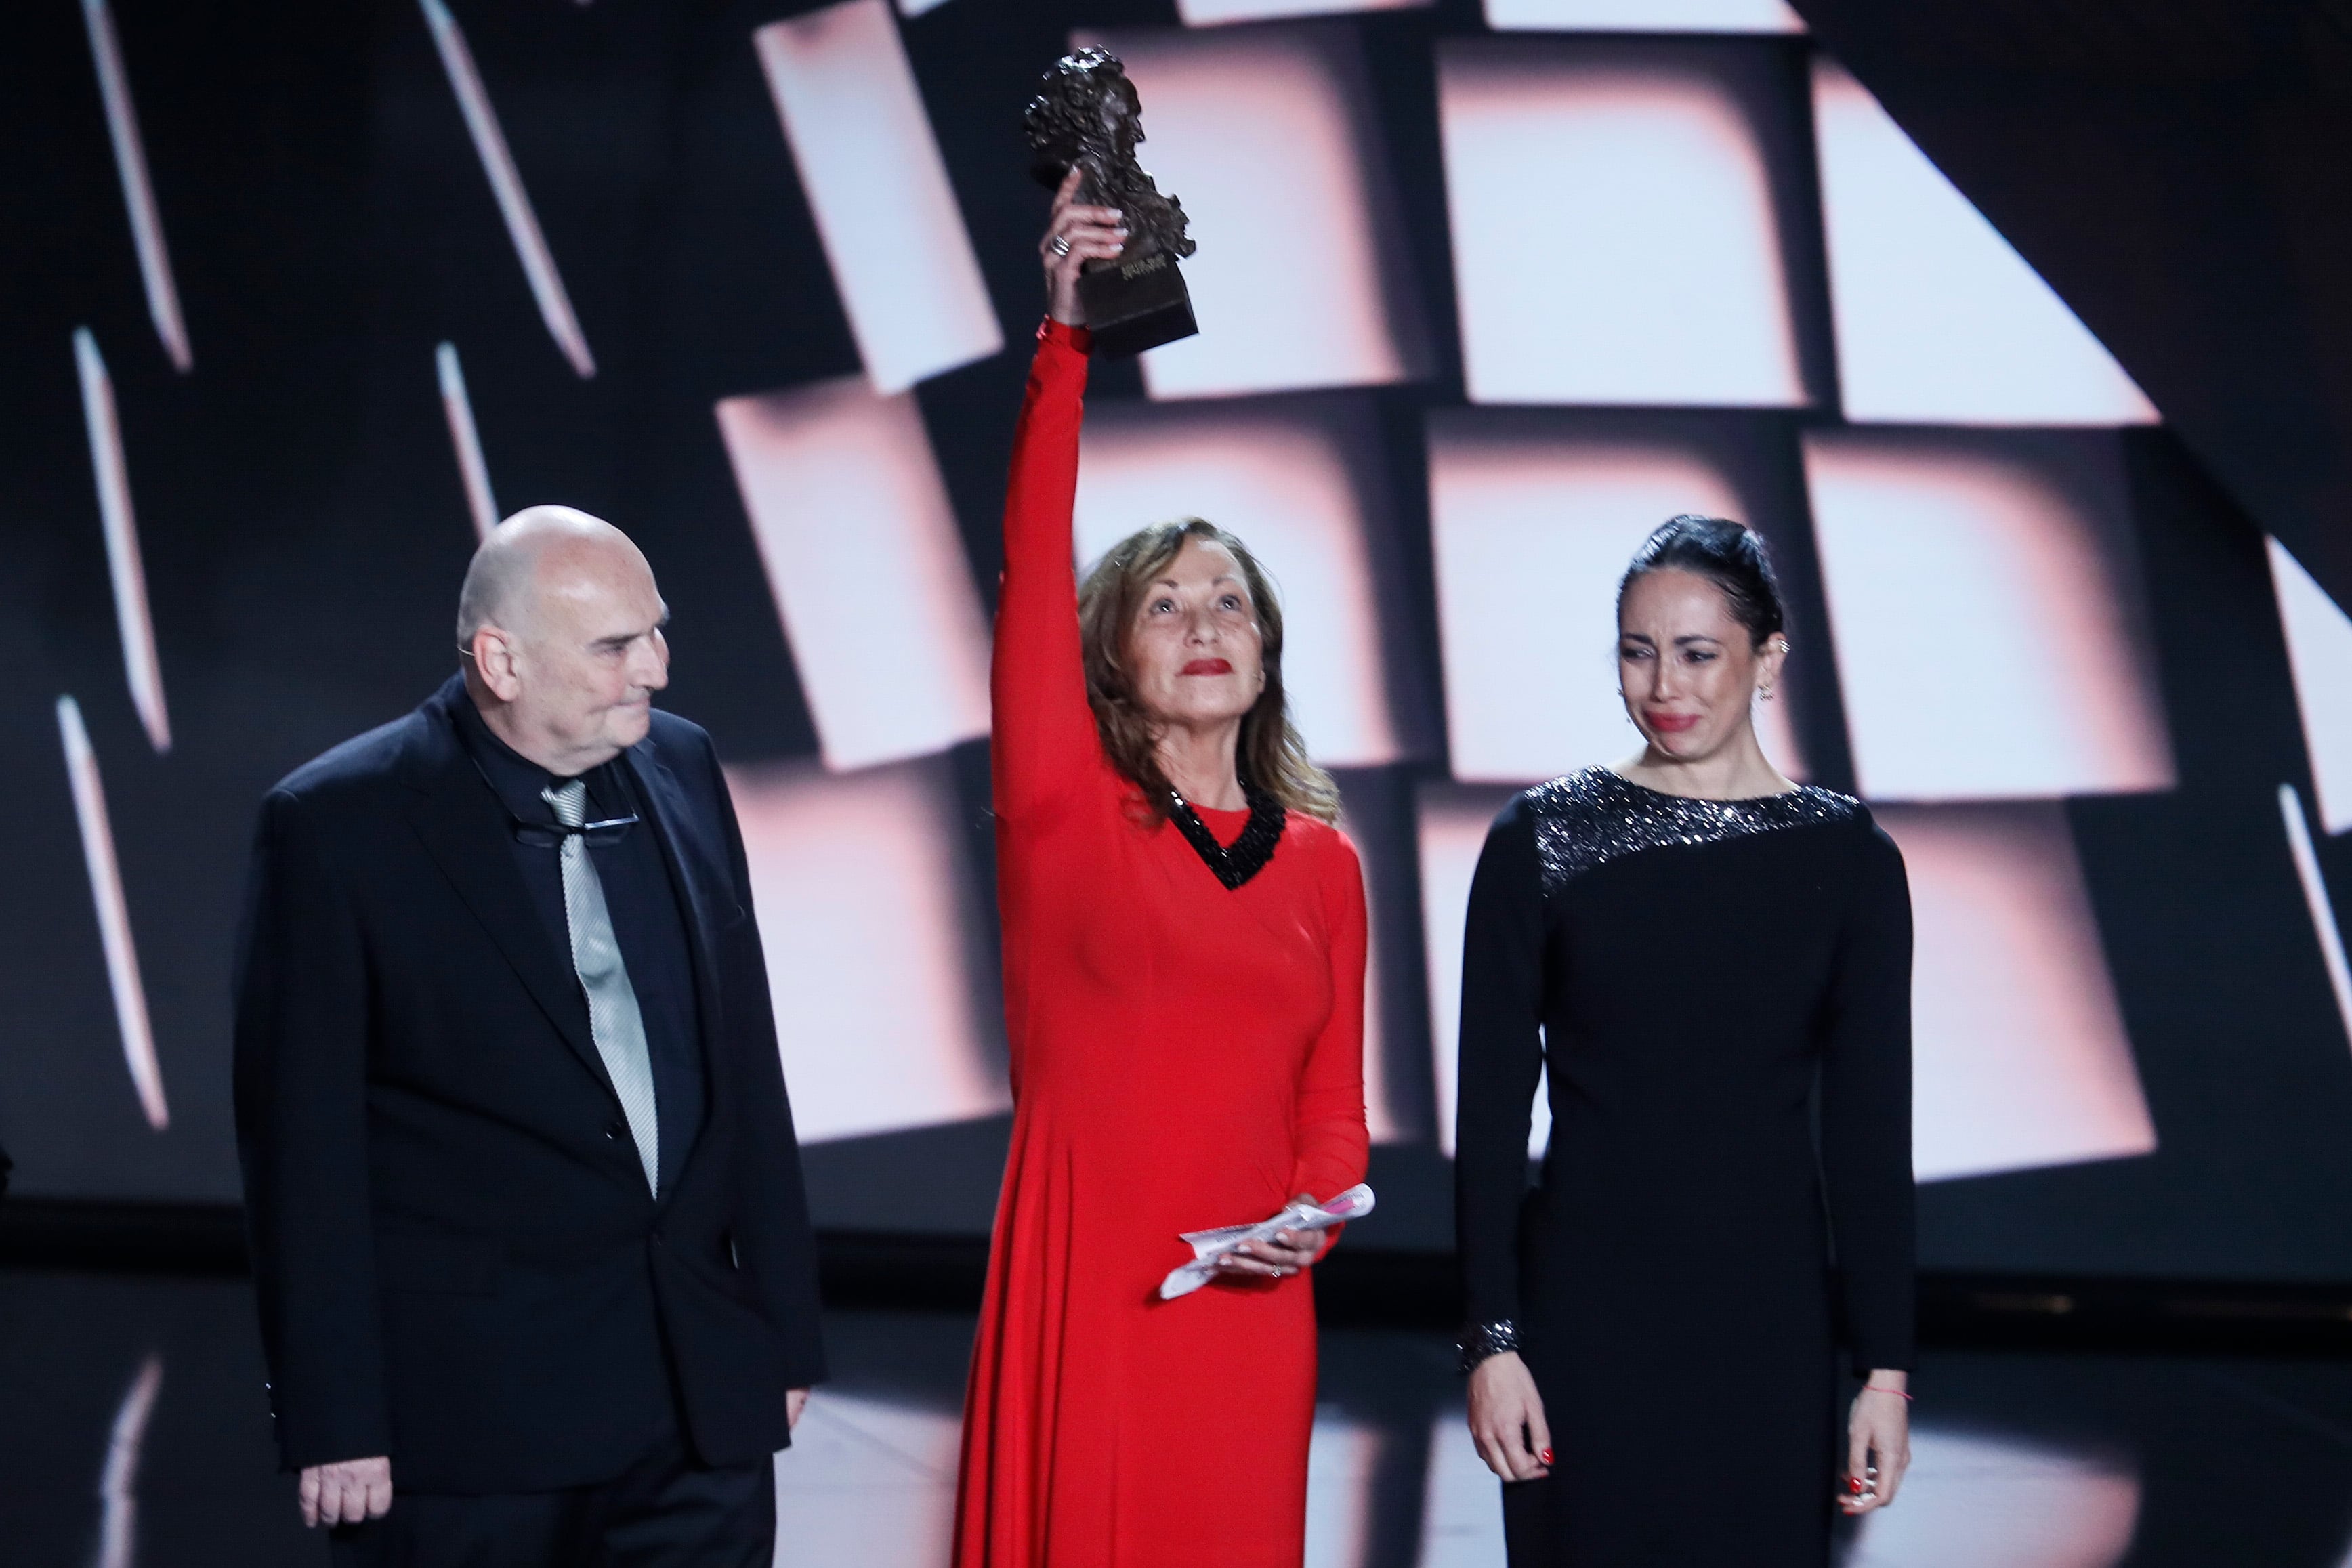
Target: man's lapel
{"points": [[696, 875], [465, 830]]}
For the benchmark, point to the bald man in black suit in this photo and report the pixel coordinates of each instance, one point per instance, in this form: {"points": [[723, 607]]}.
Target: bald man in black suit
{"points": [[536, 1277]]}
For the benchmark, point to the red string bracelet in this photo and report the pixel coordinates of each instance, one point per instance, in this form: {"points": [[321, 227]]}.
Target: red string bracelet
{"points": [[1882, 1388]]}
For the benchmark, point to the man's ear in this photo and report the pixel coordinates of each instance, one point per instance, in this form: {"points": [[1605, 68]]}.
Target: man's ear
{"points": [[494, 658]]}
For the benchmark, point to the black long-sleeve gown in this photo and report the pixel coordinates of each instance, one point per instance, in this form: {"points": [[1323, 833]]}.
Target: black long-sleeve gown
{"points": [[1699, 1244]]}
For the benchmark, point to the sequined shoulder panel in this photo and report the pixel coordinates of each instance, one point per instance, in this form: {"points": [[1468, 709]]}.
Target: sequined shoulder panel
{"points": [[1588, 819]]}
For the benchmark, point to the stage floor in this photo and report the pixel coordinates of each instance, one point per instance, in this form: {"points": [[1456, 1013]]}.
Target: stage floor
{"points": [[133, 1432]]}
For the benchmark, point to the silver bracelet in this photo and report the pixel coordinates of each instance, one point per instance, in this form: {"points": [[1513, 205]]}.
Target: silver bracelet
{"points": [[1480, 1341]]}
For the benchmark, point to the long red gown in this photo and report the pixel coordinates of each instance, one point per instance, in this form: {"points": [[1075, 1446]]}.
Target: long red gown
{"points": [[1183, 1056]]}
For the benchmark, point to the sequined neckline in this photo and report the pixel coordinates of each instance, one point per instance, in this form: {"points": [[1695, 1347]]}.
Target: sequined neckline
{"points": [[1588, 819], [1236, 863], [1700, 799]]}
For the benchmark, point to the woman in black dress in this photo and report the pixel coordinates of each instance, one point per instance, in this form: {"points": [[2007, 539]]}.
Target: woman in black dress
{"points": [[1717, 964]]}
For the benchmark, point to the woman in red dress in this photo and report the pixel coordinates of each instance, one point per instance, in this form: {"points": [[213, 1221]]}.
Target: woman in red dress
{"points": [[1184, 992]]}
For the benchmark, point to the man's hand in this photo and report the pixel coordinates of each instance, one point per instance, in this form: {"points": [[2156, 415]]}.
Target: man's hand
{"points": [[346, 1491], [795, 1401]]}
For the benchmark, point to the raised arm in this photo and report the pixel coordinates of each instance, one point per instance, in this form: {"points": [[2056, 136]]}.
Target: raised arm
{"points": [[1042, 734]]}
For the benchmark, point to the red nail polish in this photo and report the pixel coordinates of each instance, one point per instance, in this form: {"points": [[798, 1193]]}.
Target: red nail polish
{"points": [[1544, 1457], [1854, 1485]]}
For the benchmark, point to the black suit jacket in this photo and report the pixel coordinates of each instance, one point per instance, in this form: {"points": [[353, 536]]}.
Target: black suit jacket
{"points": [[457, 1260]]}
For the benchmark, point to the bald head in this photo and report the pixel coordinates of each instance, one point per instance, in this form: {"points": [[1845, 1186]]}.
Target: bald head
{"points": [[538, 552], [561, 624]]}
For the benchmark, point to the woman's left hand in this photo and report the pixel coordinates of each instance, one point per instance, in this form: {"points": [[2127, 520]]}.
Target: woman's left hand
{"points": [[1289, 1252], [1878, 1444]]}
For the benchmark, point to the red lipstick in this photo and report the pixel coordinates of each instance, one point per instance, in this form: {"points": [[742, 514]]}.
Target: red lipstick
{"points": [[1208, 667], [1671, 722]]}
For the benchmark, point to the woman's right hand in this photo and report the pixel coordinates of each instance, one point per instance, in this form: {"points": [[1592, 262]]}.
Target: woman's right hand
{"points": [[1506, 1418], [1084, 233]]}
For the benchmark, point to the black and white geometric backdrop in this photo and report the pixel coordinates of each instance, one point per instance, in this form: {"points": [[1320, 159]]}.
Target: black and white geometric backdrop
{"points": [[302, 298]]}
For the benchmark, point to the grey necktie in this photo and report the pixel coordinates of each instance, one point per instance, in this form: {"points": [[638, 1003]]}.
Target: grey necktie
{"points": [[613, 1017]]}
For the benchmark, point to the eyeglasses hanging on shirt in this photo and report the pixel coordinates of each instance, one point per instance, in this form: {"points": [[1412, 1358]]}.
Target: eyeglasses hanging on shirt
{"points": [[550, 835]]}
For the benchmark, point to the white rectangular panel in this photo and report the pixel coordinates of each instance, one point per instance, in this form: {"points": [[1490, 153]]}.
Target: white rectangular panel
{"points": [[869, 1482], [465, 441], [1991, 638], [126, 567], [879, 193], [1971, 1500], [1270, 140], [1217, 13], [2324, 927], [113, 910], [1342, 1464], [2319, 651], [2020, 1058], [1461, 1502], [1642, 16], [1453, 823], [1615, 235], [868, 571], [859, 883], [1284, 481], [1939, 320], [1530, 532], [489, 139], [138, 187]]}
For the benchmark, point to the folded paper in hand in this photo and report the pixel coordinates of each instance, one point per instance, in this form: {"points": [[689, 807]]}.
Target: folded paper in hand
{"points": [[1210, 1246]]}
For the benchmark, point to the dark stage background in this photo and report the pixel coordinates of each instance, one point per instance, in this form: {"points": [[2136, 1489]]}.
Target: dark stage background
{"points": [[1485, 292]]}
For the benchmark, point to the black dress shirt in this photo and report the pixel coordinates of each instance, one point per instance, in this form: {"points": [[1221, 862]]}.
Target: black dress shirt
{"points": [[647, 920]]}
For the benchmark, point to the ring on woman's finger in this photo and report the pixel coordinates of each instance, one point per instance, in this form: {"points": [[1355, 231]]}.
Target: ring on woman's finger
{"points": [[1061, 246]]}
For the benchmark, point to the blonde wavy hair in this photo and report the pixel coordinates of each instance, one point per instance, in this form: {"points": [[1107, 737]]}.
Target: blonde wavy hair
{"points": [[1270, 754]]}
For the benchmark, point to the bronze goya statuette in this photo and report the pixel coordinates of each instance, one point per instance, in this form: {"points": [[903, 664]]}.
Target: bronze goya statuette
{"points": [[1089, 115]]}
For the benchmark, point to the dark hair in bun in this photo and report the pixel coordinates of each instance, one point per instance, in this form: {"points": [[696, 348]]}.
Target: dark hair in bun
{"points": [[1727, 554]]}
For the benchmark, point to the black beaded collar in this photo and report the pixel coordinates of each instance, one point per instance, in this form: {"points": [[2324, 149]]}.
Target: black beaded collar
{"points": [[1246, 856]]}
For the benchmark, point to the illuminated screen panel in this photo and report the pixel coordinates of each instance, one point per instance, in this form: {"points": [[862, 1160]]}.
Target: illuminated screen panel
{"points": [[142, 670], [1615, 236], [1453, 823], [113, 911], [1939, 320], [1217, 13], [1991, 635], [1342, 1465], [1642, 16], [2319, 649], [892, 232], [2315, 898], [868, 571], [1265, 134], [524, 229], [138, 189], [1972, 1498], [2020, 1058], [1530, 531], [871, 1481], [464, 440], [1460, 1527], [859, 883], [1287, 479]]}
